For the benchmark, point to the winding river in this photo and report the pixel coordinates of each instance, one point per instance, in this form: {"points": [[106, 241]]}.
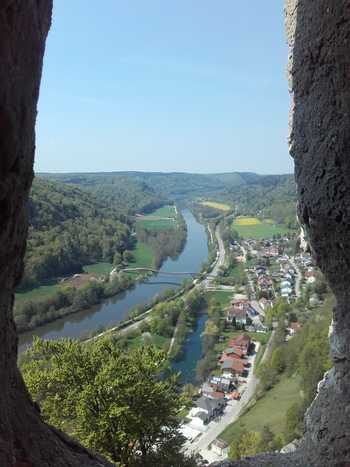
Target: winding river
{"points": [[112, 311]]}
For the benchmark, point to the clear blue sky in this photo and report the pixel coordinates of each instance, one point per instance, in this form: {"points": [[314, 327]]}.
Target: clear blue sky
{"points": [[184, 85]]}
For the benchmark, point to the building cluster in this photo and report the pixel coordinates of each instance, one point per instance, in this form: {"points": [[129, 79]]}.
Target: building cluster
{"points": [[227, 384], [244, 315], [264, 281]]}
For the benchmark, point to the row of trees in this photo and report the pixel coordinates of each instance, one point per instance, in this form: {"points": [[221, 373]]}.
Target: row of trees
{"points": [[249, 443], [213, 328], [164, 243], [30, 314]]}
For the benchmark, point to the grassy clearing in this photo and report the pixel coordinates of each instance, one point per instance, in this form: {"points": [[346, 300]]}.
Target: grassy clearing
{"points": [[270, 410], [98, 268], [143, 256], [216, 205], [44, 291], [224, 298], [236, 272], [162, 343], [259, 230], [161, 224], [165, 211], [163, 218]]}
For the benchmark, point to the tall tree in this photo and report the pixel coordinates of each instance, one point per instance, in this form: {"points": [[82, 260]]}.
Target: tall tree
{"points": [[114, 402]]}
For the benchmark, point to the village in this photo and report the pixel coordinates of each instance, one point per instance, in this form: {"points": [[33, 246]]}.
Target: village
{"points": [[272, 275]]}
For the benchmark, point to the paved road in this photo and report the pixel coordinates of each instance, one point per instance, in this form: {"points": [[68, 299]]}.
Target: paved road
{"points": [[231, 414], [219, 262]]}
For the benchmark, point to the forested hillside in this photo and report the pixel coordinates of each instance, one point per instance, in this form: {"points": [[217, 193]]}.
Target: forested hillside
{"points": [[130, 194], [269, 196], [69, 228], [143, 191], [246, 192]]}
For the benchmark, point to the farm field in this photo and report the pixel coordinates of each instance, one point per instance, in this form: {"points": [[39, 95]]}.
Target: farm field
{"points": [[264, 412], [161, 219], [252, 227], [143, 256], [165, 211], [216, 205]]}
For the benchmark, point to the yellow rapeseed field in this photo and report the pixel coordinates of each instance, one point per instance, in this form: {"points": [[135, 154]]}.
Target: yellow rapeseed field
{"points": [[247, 221], [215, 205]]}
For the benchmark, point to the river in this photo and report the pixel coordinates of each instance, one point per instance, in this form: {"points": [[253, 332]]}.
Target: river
{"points": [[192, 353], [112, 311]]}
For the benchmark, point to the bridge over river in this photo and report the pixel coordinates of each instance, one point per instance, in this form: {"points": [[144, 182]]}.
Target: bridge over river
{"points": [[158, 271]]}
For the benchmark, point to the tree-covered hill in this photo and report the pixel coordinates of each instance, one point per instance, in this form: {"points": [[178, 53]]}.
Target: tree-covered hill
{"points": [[270, 196], [128, 193], [146, 187], [247, 192], [70, 227]]}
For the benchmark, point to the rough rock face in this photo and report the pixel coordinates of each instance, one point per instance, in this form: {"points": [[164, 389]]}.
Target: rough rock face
{"points": [[25, 441], [319, 76], [319, 70]]}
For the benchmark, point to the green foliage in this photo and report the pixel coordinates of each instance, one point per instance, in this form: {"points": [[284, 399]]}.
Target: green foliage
{"points": [[128, 192], [167, 242], [268, 376], [65, 300], [233, 273], [248, 444], [294, 419], [277, 312], [272, 196], [270, 410], [68, 229], [213, 328], [260, 231], [112, 401]]}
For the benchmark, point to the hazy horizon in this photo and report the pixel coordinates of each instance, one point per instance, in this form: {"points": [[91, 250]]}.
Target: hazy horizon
{"points": [[163, 172], [190, 87]]}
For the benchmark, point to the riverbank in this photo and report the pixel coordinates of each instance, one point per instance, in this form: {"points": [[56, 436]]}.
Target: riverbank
{"points": [[68, 295], [112, 311]]}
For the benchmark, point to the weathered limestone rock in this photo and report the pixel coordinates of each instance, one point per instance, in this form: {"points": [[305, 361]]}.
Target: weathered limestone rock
{"points": [[319, 75], [319, 71], [24, 439]]}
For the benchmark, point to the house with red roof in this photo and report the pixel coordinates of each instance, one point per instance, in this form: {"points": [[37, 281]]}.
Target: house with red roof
{"points": [[233, 366], [242, 343]]}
